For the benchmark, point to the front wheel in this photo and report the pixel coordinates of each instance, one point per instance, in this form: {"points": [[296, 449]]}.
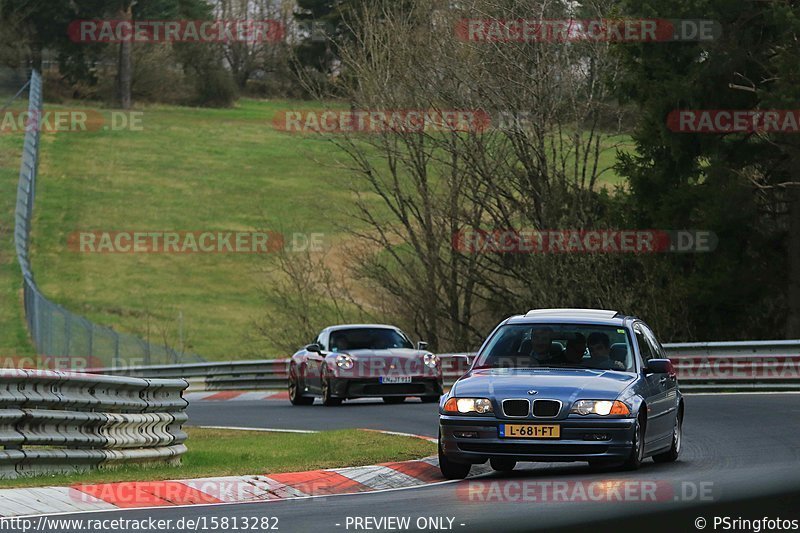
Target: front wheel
{"points": [[449, 469], [675, 450], [636, 457], [296, 389], [327, 393]]}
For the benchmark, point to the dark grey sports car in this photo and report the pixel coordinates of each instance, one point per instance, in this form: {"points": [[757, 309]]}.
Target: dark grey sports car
{"points": [[563, 385], [363, 361]]}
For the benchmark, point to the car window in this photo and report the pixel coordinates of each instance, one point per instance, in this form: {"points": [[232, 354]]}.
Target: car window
{"points": [[655, 346], [558, 346], [644, 347], [368, 339]]}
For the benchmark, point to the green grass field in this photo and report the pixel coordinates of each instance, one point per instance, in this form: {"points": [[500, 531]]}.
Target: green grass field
{"points": [[217, 453], [13, 333], [187, 170]]}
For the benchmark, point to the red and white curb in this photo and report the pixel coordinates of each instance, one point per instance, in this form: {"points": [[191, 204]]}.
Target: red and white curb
{"points": [[239, 396], [233, 489]]}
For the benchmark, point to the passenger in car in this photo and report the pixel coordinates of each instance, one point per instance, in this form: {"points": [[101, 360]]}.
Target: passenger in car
{"points": [[600, 350], [576, 348]]}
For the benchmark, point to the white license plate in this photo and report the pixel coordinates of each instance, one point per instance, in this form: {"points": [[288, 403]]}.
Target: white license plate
{"points": [[396, 379]]}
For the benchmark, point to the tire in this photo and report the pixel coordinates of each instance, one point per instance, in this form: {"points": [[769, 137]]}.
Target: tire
{"points": [[394, 400], [502, 464], [327, 399], [296, 388], [634, 461], [450, 469], [677, 441], [429, 399]]}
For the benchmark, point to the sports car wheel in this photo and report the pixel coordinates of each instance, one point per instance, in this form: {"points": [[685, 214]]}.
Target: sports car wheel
{"points": [[296, 389], [677, 437], [502, 464], [392, 400], [327, 398], [634, 461], [449, 469]]}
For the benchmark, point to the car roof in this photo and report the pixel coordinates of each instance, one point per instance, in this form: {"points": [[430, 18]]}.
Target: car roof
{"points": [[572, 316], [353, 326]]}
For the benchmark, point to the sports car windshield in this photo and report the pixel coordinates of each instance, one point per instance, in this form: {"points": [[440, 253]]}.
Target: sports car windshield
{"points": [[368, 339], [558, 346]]}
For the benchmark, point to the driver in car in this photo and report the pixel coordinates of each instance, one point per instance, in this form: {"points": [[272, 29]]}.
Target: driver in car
{"points": [[543, 350]]}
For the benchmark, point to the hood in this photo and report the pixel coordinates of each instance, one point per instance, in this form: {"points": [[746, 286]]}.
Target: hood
{"points": [[564, 384]]}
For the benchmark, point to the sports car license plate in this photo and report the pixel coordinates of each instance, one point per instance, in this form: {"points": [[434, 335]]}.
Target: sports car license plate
{"points": [[529, 431], [396, 379]]}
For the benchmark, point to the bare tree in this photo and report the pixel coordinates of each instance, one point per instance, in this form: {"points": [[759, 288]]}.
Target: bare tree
{"points": [[537, 166], [268, 53]]}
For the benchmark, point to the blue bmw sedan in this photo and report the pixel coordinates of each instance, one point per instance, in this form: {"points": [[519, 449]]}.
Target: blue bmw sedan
{"points": [[563, 385]]}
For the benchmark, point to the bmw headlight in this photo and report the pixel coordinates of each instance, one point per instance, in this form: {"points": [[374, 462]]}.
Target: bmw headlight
{"points": [[431, 360], [344, 361], [468, 405], [600, 407]]}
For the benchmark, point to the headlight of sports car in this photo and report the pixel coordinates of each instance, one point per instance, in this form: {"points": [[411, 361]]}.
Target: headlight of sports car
{"points": [[344, 361], [431, 361], [600, 407], [468, 405]]}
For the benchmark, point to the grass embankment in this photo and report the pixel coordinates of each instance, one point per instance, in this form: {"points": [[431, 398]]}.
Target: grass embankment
{"points": [[186, 170], [217, 453]]}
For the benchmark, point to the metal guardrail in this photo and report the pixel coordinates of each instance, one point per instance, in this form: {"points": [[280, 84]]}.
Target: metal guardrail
{"points": [[737, 366], [57, 332], [54, 422], [756, 365]]}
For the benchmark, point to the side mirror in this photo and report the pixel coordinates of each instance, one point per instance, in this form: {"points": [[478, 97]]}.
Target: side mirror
{"points": [[660, 366], [314, 348], [460, 360], [422, 345]]}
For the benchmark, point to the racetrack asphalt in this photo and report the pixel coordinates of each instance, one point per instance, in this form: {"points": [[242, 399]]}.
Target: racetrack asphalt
{"points": [[738, 445]]}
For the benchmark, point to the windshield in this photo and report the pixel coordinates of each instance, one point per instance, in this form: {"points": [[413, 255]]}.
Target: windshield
{"points": [[558, 346], [368, 339]]}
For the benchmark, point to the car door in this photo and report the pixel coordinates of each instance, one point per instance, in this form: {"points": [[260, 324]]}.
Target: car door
{"points": [[668, 387], [656, 409], [314, 362]]}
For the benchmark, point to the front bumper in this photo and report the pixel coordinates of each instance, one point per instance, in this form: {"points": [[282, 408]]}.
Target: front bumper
{"points": [[373, 388], [475, 439]]}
